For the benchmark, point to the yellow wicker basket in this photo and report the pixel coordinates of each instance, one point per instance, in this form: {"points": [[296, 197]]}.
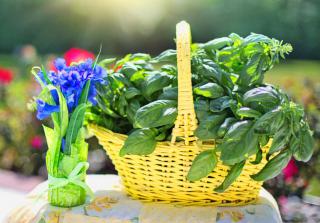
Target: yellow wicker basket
{"points": [[161, 176]]}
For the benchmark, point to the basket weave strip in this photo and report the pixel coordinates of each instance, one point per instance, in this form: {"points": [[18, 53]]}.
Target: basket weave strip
{"points": [[161, 176]]}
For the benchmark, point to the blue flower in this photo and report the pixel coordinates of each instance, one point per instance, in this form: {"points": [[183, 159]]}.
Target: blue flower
{"points": [[44, 110], [72, 79]]}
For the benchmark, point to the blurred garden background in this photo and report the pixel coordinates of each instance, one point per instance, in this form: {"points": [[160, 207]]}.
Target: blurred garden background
{"points": [[35, 32]]}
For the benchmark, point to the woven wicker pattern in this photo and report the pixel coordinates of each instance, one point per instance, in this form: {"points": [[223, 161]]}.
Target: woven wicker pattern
{"points": [[161, 176]]}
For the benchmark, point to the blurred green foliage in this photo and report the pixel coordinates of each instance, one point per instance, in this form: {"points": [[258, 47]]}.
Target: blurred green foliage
{"points": [[148, 26]]}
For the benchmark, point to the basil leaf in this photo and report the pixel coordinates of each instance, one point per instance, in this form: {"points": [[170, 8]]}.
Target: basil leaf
{"points": [[273, 167], [280, 140], [302, 145], [131, 92], [233, 174], [166, 56], [169, 93], [157, 113], [202, 109], [248, 112], [139, 142], [261, 98], [209, 90], [154, 82], [128, 69], [217, 44], [203, 165], [270, 122], [258, 157], [220, 104], [239, 143], [208, 128], [225, 126]]}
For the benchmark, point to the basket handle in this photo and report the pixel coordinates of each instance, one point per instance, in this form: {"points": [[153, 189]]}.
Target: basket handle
{"points": [[186, 121]]}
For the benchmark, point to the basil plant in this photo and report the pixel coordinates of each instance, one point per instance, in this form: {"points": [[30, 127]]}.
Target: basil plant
{"points": [[234, 107]]}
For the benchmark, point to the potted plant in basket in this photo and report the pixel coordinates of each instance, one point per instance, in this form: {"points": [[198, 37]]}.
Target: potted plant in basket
{"points": [[198, 125], [66, 94]]}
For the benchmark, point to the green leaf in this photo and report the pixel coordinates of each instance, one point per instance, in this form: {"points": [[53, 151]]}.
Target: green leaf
{"points": [[265, 98], [202, 109], [63, 113], [166, 56], [280, 140], [53, 139], [209, 90], [157, 113], [139, 142], [217, 44], [169, 93], [239, 143], [273, 167], [107, 62], [225, 126], [75, 124], [208, 128], [220, 104], [302, 145], [248, 112], [258, 157], [85, 93], [270, 122], [131, 92], [202, 165], [154, 82], [233, 174]]}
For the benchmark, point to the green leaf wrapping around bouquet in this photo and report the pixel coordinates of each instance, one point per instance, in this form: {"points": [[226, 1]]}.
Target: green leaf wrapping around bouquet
{"points": [[54, 145], [209, 90], [154, 82], [157, 113], [248, 112], [273, 167], [202, 165], [233, 174], [76, 122], [217, 44], [302, 145], [239, 143], [166, 56], [139, 142], [63, 113], [79, 154], [85, 93], [208, 128]]}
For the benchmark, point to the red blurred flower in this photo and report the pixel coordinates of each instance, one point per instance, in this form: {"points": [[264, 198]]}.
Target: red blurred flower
{"points": [[36, 142], [77, 55], [6, 76], [290, 171]]}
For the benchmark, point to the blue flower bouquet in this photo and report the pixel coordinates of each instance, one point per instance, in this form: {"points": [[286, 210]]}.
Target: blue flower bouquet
{"points": [[65, 96]]}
